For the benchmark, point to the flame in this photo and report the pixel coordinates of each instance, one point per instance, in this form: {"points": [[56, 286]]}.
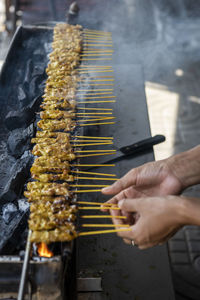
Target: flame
{"points": [[44, 251]]}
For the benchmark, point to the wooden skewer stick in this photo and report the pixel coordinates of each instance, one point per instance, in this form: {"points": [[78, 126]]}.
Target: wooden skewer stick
{"points": [[103, 216], [106, 58], [96, 54], [96, 59], [94, 77], [105, 225], [95, 84], [97, 31], [86, 191], [89, 141], [97, 207], [82, 151], [94, 137], [95, 80], [102, 231], [88, 102], [101, 97], [94, 108], [93, 94], [95, 71], [92, 165], [93, 118], [96, 90], [95, 66], [95, 203], [98, 178], [99, 119], [92, 144], [89, 155], [105, 123], [88, 185], [88, 45], [93, 173], [94, 113]]}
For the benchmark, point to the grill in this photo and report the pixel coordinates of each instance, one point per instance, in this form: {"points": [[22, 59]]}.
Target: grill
{"points": [[21, 86]]}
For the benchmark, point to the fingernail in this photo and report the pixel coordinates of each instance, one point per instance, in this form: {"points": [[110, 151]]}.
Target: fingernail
{"points": [[120, 203], [106, 189]]}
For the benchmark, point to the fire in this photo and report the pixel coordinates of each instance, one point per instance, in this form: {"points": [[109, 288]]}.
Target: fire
{"points": [[44, 251]]}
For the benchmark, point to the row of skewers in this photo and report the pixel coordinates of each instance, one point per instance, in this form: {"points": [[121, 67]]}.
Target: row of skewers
{"points": [[56, 170]]}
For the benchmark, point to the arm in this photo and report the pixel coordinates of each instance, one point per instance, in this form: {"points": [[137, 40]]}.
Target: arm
{"points": [[164, 177]]}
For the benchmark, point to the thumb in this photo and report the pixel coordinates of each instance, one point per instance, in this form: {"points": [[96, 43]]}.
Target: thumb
{"points": [[129, 205]]}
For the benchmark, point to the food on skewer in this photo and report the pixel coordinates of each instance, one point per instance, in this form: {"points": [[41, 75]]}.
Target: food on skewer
{"points": [[53, 212]]}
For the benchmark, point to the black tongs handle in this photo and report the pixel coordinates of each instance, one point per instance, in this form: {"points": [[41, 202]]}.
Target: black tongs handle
{"points": [[143, 145]]}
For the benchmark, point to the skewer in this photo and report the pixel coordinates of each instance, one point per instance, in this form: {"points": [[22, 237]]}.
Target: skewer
{"points": [[102, 231], [95, 71], [93, 173], [89, 155], [88, 185], [102, 217], [89, 141], [94, 108], [96, 66], [87, 45], [92, 165], [86, 191], [87, 151], [105, 225], [93, 144], [102, 97], [96, 59], [94, 203], [97, 178], [95, 113], [97, 207], [96, 90], [93, 94], [94, 84], [98, 119], [87, 102], [95, 137], [97, 124]]}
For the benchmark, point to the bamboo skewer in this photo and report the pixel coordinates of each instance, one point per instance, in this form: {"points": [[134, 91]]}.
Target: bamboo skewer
{"points": [[95, 113], [95, 137], [98, 178], [93, 173], [99, 97], [86, 191], [96, 90], [89, 141], [96, 66], [97, 207], [102, 217], [94, 108], [97, 124], [88, 102], [102, 231], [93, 94], [93, 165], [94, 203], [89, 155], [88, 185], [98, 119], [105, 225], [87, 151], [92, 144]]}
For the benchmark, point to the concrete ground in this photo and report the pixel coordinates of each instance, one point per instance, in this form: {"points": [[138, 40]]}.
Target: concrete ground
{"points": [[164, 37]]}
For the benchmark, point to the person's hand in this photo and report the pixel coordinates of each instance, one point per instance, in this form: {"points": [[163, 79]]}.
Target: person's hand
{"points": [[158, 219], [151, 179]]}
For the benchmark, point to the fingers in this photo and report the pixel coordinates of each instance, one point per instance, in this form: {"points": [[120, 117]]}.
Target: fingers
{"points": [[121, 184], [129, 205]]}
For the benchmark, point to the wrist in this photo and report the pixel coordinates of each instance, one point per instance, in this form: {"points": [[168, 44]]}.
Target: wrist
{"points": [[189, 211], [186, 167]]}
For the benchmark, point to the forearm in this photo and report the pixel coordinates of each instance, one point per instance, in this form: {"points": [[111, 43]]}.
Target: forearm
{"points": [[186, 166]]}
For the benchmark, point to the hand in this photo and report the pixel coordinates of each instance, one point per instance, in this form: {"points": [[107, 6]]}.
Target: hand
{"points": [[151, 179], [159, 218]]}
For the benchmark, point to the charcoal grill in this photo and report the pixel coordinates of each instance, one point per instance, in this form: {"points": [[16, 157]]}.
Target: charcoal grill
{"points": [[100, 263]]}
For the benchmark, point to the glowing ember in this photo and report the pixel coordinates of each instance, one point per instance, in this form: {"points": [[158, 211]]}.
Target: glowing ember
{"points": [[44, 251]]}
